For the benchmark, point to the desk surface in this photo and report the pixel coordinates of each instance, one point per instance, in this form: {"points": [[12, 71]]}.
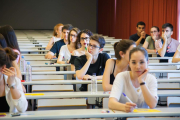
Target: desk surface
{"points": [[56, 82], [88, 94], [51, 73], [89, 113]]}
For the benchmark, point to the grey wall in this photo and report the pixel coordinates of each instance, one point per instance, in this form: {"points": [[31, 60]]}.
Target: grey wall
{"points": [[44, 14]]}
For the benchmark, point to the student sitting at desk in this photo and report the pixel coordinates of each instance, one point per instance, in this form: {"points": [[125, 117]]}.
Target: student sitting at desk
{"points": [[169, 44], [11, 41], [66, 50], [153, 43], [82, 43], [12, 98], [57, 46], [57, 35], [92, 62], [115, 66], [139, 86]]}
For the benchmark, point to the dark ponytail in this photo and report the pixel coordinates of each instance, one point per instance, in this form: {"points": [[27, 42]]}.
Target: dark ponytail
{"points": [[7, 55], [2, 41]]}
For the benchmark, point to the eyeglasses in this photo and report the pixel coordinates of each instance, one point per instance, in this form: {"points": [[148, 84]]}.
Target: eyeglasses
{"points": [[153, 31], [93, 46], [86, 38], [71, 35]]}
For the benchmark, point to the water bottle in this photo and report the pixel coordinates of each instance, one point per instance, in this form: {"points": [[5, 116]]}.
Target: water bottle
{"points": [[94, 83], [22, 64], [28, 72]]}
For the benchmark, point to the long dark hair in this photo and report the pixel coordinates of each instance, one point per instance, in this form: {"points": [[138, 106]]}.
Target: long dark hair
{"points": [[2, 41], [8, 32], [77, 32]]}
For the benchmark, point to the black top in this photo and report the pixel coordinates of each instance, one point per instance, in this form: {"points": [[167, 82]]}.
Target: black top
{"points": [[72, 59], [135, 37], [112, 75], [4, 105], [57, 46], [97, 67]]}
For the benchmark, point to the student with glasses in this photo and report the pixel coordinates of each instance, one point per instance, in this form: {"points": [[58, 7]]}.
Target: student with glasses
{"points": [[82, 43], [66, 50], [93, 61], [153, 43]]}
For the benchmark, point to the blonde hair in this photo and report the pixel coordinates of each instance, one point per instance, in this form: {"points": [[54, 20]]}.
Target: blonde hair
{"points": [[56, 28]]}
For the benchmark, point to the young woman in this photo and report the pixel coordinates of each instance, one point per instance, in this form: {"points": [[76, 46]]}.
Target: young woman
{"points": [[56, 36], [82, 43], [66, 50], [12, 98], [11, 40], [115, 66], [139, 86], [153, 43]]}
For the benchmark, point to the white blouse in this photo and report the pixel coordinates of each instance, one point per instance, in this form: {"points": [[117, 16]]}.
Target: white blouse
{"points": [[123, 84], [55, 39], [65, 53], [15, 105]]}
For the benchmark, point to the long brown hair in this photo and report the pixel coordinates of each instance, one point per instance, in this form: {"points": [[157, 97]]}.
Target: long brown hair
{"points": [[77, 32], [56, 28]]}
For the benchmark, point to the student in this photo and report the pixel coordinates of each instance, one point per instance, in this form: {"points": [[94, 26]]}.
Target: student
{"points": [[57, 46], [66, 50], [82, 43], [2, 41], [92, 62], [139, 86], [115, 66], [12, 98], [57, 35], [153, 43], [141, 35], [169, 44], [11, 40]]}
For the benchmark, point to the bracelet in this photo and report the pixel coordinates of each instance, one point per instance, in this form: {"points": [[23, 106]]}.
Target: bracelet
{"points": [[143, 83], [11, 86]]}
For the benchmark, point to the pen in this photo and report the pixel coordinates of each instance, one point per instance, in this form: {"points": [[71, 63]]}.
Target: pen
{"points": [[127, 98]]}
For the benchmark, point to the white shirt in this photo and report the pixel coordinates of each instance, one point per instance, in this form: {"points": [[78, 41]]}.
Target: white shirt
{"points": [[123, 84], [15, 105], [178, 48], [65, 52], [55, 39]]}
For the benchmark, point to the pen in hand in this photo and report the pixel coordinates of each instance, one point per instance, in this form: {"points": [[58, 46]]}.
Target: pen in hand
{"points": [[128, 99]]}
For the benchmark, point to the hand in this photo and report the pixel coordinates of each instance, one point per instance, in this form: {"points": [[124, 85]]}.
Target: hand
{"points": [[87, 77], [164, 37], [49, 55], [129, 107], [143, 34], [88, 55], [143, 76], [154, 37], [11, 73]]}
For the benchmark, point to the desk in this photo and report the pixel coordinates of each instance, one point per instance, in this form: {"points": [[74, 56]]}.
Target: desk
{"points": [[162, 64], [164, 71], [47, 95], [89, 113], [68, 73]]}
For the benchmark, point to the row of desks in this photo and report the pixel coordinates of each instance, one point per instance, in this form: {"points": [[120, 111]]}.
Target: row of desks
{"points": [[90, 113]]}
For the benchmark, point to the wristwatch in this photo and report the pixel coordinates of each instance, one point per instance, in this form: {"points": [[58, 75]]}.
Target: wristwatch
{"points": [[143, 83], [12, 85]]}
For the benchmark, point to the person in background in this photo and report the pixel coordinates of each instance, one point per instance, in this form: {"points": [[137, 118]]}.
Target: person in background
{"points": [[141, 35], [139, 86], [153, 43], [92, 62], [57, 35], [57, 46], [120, 64], [82, 43], [170, 45], [11, 40], [66, 50], [12, 98]]}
